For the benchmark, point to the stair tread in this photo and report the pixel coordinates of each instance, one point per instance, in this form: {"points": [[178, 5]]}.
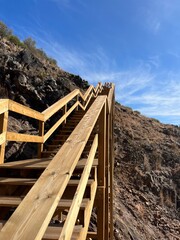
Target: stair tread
{"points": [[31, 181], [39, 163], [15, 201], [53, 232]]}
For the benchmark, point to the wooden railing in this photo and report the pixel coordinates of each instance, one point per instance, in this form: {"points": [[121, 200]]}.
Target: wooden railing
{"points": [[7, 105], [31, 219]]}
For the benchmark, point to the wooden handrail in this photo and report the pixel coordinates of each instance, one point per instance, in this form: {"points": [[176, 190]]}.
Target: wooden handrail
{"points": [[74, 209], [44, 197], [9, 105], [26, 111], [42, 204]]}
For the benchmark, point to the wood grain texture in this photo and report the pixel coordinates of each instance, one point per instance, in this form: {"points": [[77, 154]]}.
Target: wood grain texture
{"points": [[44, 196], [74, 209], [18, 137], [4, 105], [59, 104], [21, 109]]}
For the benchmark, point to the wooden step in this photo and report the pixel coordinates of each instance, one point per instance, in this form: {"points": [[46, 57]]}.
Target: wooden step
{"points": [[31, 181], [54, 233], [39, 163], [9, 201], [17, 181]]}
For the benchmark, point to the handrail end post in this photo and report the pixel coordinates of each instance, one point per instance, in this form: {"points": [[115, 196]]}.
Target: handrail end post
{"points": [[3, 129]]}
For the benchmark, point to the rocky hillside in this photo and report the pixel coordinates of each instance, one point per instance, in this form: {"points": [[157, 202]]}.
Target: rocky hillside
{"points": [[147, 177], [147, 153], [34, 81]]}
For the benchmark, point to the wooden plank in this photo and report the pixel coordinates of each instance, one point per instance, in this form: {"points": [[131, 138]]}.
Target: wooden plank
{"points": [[28, 163], [3, 131], [4, 105], [89, 208], [19, 137], [2, 138], [19, 108], [111, 160], [107, 229], [8, 201], [101, 175], [42, 200], [92, 235], [31, 181], [54, 233], [61, 120], [110, 98], [73, 212], [81, 163], [59, 104], [17, 181], [41, 134]]}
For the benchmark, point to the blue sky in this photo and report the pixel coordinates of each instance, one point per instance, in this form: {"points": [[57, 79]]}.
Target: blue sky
{"points": [[133, 43]]}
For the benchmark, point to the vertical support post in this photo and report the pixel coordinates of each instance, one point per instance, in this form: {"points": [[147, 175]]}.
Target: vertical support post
{"points": [[101, 175], [107, 192], [77, 100], [41, 133], [111, 166], [3, 129], [64, 112]]}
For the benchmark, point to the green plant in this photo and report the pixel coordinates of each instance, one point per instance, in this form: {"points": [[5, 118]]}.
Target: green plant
{"points": [[30, 43], [15, 40], [4, 30]]}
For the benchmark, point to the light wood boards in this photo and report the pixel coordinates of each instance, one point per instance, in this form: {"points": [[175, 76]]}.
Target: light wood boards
{"points": [[19, 137], [26, 111], [74, 209], [44, 196], [3, 130], [4, 105]]}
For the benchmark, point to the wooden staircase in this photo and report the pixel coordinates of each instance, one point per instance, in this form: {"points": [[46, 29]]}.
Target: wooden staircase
{"points": [[53, 195]]}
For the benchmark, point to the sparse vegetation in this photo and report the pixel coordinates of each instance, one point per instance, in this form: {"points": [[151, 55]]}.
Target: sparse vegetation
{"points": [[4, 30], [28, 43], [15, 40]]}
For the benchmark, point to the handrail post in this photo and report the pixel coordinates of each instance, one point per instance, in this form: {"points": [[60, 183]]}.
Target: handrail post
{"points": [[41, 133], [64, 112], [3, 129], [101, 175], [77, 100], [111, 161]]}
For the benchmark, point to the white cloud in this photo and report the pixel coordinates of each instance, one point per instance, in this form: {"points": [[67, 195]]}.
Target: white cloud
{"points": [[155, 95], [157, 13]]}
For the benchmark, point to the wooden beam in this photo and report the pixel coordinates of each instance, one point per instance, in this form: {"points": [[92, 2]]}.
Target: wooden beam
{"points": [[111, 161], [19, 108], [59, 104], [2, 138], [41, 134], [3, 131], [101, 174], [73, 212], [61, 120], [19, 137], [4, 105], [89, 208], [42, 200]]}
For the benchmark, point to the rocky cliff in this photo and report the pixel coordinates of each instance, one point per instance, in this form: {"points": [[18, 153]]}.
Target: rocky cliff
{"points": [[147, 177], [147, 153]]}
